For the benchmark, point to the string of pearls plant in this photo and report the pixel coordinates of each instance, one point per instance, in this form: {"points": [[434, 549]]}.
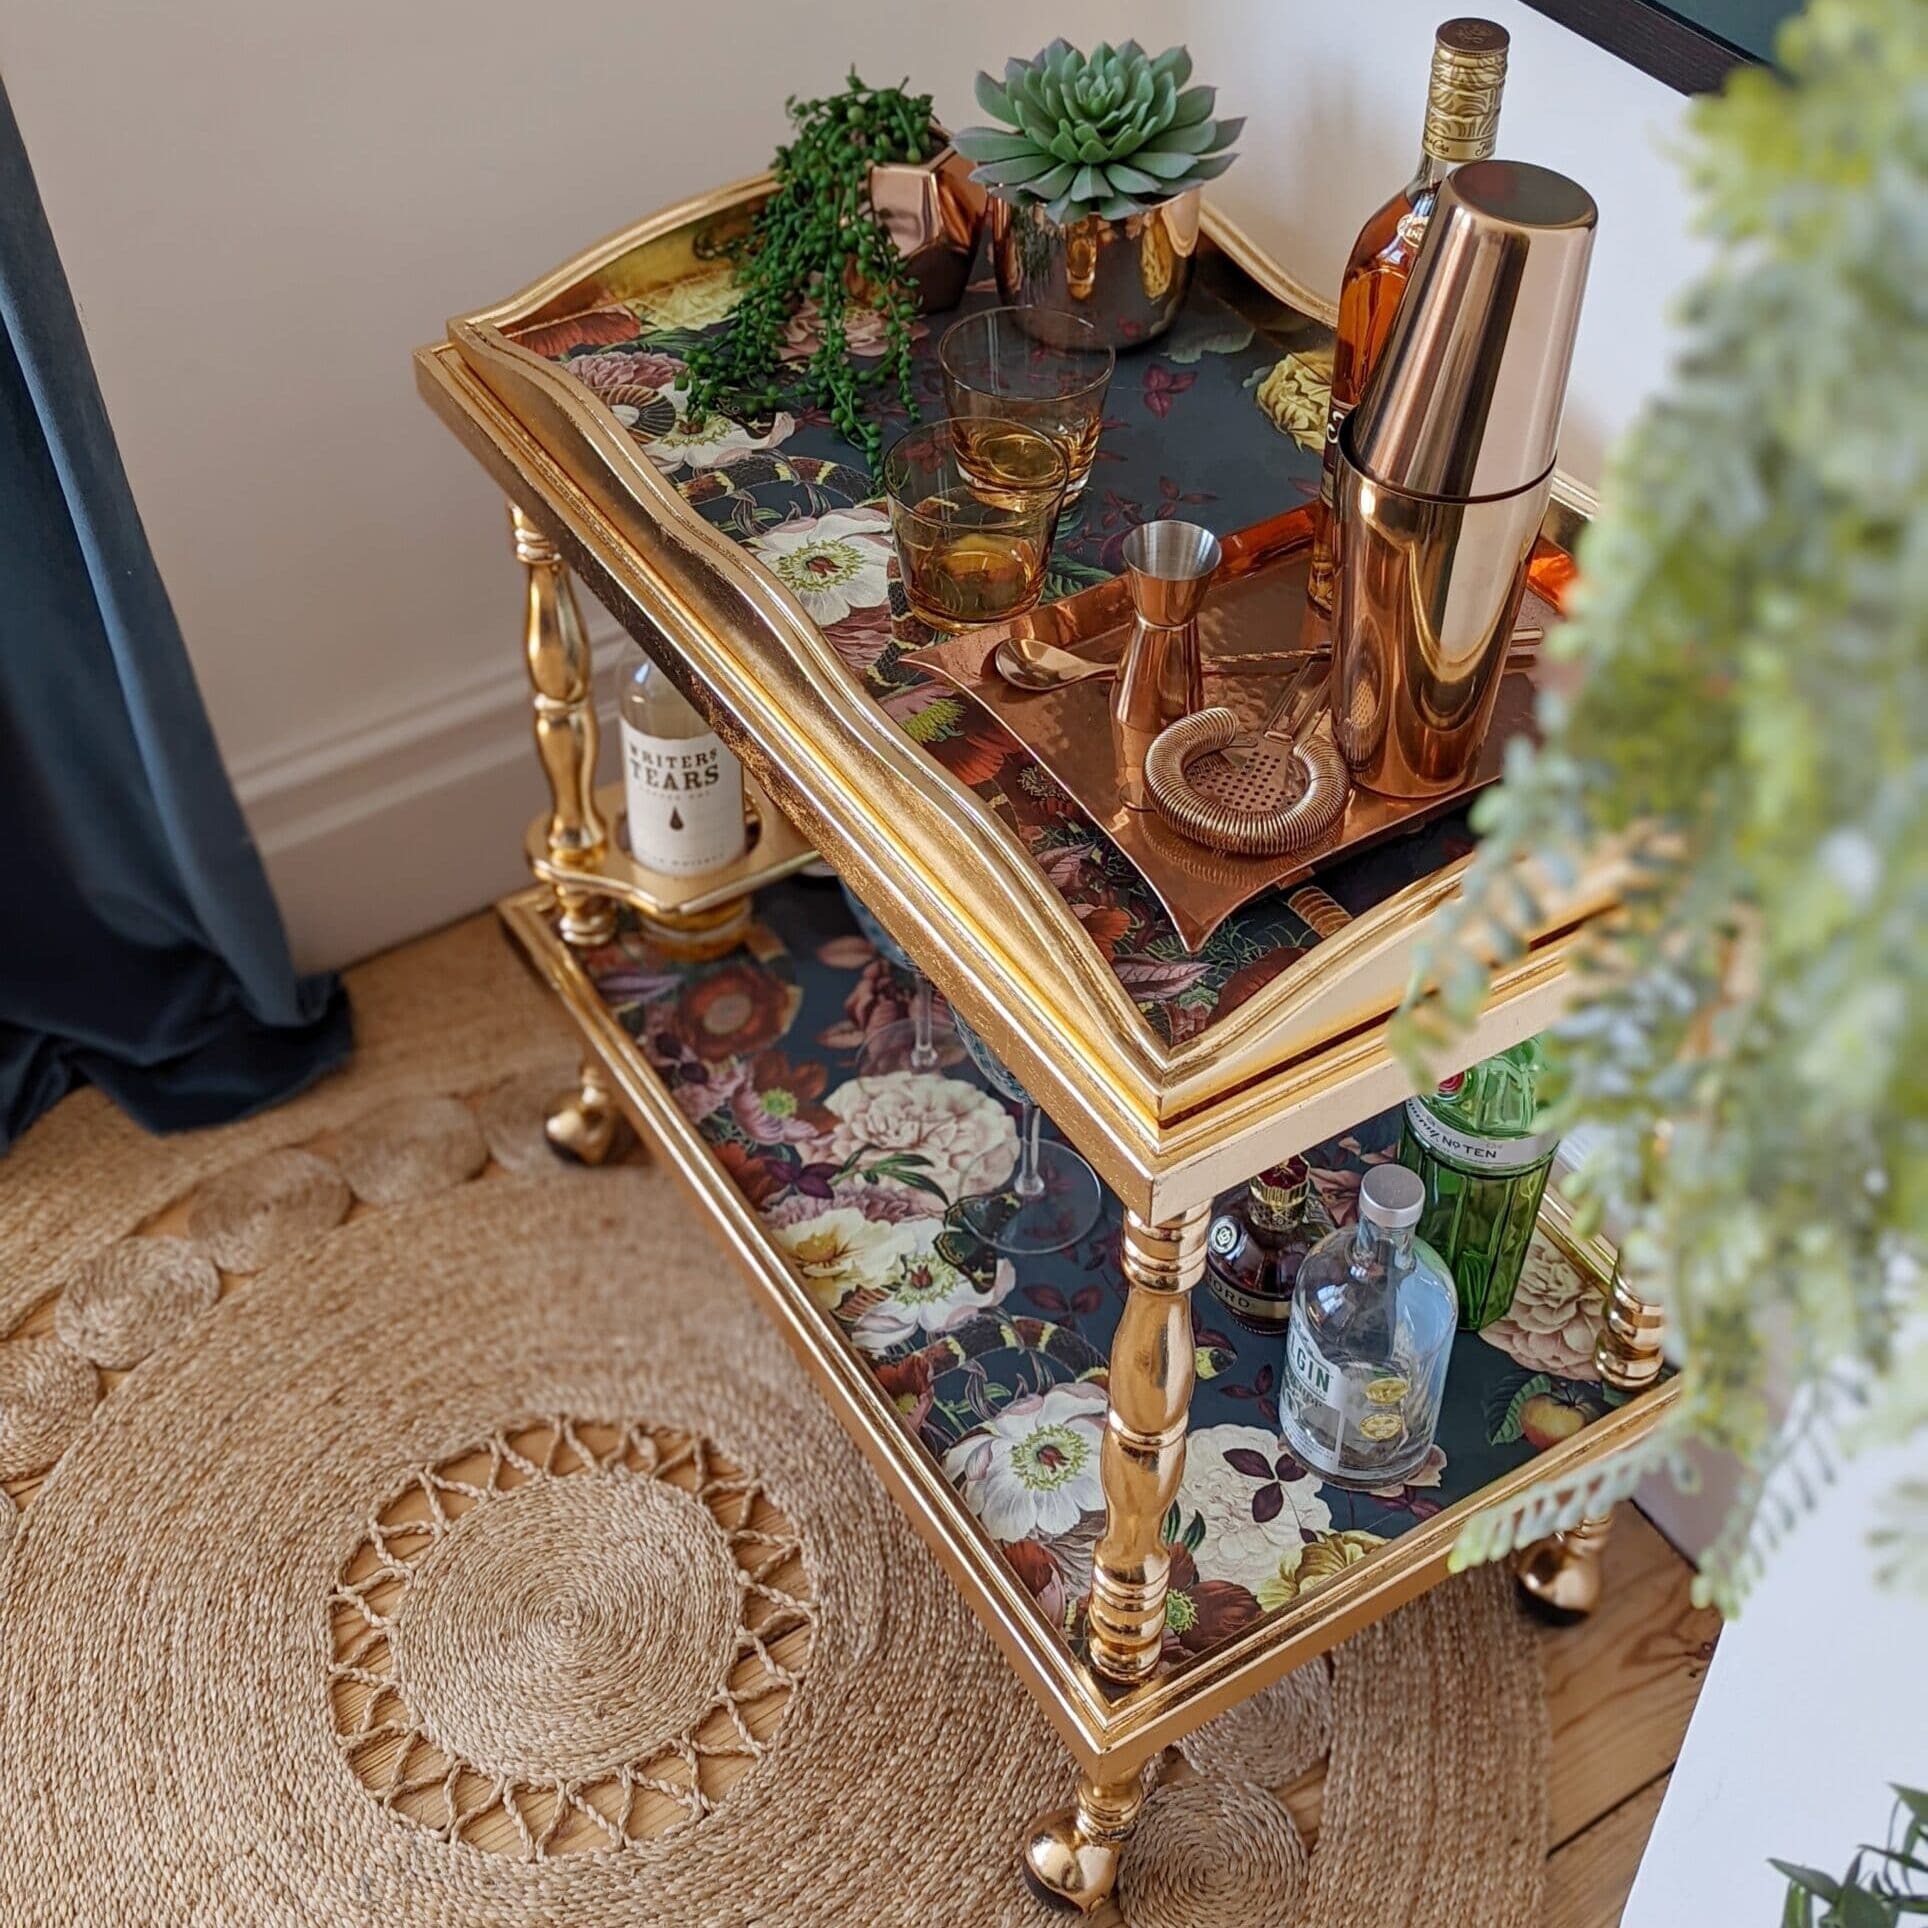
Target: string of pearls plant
{"points": [[818, 239]]}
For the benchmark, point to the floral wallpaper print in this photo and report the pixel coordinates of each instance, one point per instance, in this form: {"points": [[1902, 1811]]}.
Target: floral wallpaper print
{"points": [[1031, 1470], [1295, 393], [837, 565], [1220, 422], [1000, 1371]]}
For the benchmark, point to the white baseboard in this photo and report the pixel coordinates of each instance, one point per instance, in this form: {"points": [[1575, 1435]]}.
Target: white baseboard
{"points": [[380, 831]]}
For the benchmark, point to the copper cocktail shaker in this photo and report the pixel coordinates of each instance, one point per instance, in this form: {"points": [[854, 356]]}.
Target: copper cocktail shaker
{"points": [[1444, 471]]}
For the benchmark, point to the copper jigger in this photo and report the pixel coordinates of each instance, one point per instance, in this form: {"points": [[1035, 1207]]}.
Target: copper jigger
{"points": [[1168, 568], [1444, 470]]}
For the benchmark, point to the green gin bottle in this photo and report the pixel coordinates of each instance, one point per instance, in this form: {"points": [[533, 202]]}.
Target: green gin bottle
{"points": [[1475, 1144]]}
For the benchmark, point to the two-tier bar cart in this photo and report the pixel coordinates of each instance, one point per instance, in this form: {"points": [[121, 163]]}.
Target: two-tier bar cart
{"points": [[1177, 1076]]}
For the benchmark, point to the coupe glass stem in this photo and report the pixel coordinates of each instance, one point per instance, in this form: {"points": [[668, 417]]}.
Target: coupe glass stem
{"points": [[1029, 1182], [923, 1052]]}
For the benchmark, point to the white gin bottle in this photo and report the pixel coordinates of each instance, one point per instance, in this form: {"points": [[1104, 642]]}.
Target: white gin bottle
{"points": [[1370, 1338], [683, 801]]}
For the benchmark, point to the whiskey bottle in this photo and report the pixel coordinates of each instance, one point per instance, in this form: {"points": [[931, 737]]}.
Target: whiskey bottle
{"points": [[683, 803], [1462, 121], [1255, 1247], [1477, 1146], [1371, 1337]]}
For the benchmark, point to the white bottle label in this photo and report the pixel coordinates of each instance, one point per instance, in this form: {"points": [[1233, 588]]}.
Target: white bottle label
{"points": [[1497, 1155], [684, 796], [1321, 1381]]}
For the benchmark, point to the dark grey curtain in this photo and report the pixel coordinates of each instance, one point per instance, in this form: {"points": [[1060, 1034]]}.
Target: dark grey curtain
{"points": [[140, 948]]}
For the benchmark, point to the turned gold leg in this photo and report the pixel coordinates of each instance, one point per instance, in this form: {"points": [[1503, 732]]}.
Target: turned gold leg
{"points": [[1561, 1573], [586, 1125], [1628, 1351], [1143, 1457], [1071, 1857], [557, 650]]}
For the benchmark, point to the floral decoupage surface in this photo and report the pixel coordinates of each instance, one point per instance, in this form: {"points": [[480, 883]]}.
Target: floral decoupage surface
{"points": [[1219, 422], [853, 1161]]}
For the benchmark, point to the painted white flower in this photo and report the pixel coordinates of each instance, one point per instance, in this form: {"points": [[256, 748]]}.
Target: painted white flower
{"points": [[841, 1251], [1554, 1319], [1430, 1472], [712, 443], [834, 564], [1033, 1469], [1257, 1504], [926, 1293], [951, 1125]]}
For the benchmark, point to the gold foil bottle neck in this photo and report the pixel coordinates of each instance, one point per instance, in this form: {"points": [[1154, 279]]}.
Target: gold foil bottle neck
{"points": [[1277, 1198], [1463, 97]]}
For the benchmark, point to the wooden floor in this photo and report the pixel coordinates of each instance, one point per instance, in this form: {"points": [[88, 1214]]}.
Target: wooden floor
{"points": [[1619, 1687]]}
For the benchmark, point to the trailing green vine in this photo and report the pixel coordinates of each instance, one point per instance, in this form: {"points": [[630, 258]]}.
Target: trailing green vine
{"points": [[817, 239]]}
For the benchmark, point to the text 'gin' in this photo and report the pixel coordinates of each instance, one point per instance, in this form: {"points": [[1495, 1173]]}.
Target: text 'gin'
{"points": [[1370, 1338]]}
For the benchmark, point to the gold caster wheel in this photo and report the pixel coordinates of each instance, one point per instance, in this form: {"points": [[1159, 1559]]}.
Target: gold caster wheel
{"points": [[1071, 1855], [1560, 1575], [586, 1125]]}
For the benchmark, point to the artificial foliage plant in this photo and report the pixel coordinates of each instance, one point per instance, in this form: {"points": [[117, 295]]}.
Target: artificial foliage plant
{"points": [[1751, 1032], [1108, 134], [1886, 1884], [818, 239]]}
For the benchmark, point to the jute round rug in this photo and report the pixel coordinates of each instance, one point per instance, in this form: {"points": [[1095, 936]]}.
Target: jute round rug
{"points": [[486, 1560]]}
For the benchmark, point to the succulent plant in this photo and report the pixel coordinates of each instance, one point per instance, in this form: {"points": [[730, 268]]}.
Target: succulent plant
{"points": [[1110, 134]]}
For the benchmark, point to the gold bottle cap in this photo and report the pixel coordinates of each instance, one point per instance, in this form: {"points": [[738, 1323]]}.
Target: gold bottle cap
{"points": [[1465, 400], [1463, 96], [1278, 1195]]}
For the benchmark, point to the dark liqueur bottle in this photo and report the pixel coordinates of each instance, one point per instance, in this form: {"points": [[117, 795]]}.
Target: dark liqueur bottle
{"points": [[1255, 1246]]}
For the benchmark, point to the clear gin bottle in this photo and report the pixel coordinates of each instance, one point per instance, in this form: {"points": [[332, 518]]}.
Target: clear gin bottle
{"points": [[1371, 1335]]}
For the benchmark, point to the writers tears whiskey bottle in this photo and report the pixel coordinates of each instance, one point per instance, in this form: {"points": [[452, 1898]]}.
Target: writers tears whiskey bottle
{"points": [[1462, 122], [683, 801]]}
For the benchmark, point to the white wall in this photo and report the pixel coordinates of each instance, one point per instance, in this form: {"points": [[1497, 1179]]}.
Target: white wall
{"points": [[1815, 1703], [263, 206]]}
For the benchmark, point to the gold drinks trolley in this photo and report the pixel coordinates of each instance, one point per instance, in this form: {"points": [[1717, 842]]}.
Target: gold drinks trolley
{"points": [[1176, 1076]]}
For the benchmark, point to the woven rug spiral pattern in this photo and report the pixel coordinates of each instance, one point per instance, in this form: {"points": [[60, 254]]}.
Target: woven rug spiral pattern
{"points": [[485, 1559]]}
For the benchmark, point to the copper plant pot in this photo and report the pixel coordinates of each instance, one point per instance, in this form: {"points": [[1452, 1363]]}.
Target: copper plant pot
{"points": [[933, 210], [1127, 278]]}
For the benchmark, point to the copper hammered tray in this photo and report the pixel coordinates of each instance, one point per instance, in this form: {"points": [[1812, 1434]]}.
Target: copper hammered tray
{"points": [[1257, 610]]}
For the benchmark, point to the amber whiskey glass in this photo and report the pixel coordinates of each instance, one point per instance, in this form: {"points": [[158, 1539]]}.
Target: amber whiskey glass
{"points": [[972, 538], [996, 370]]}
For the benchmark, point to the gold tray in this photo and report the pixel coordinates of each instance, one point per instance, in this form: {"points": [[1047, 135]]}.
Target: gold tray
{"points": [[1256, 610], [1167, 1122]]}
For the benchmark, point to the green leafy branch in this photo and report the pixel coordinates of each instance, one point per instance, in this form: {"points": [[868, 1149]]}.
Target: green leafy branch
{"points": [[1882, 1885], [1751, 1027]]}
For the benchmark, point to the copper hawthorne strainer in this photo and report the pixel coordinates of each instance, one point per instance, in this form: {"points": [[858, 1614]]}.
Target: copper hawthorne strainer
{"points": [[1262, 796]]}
